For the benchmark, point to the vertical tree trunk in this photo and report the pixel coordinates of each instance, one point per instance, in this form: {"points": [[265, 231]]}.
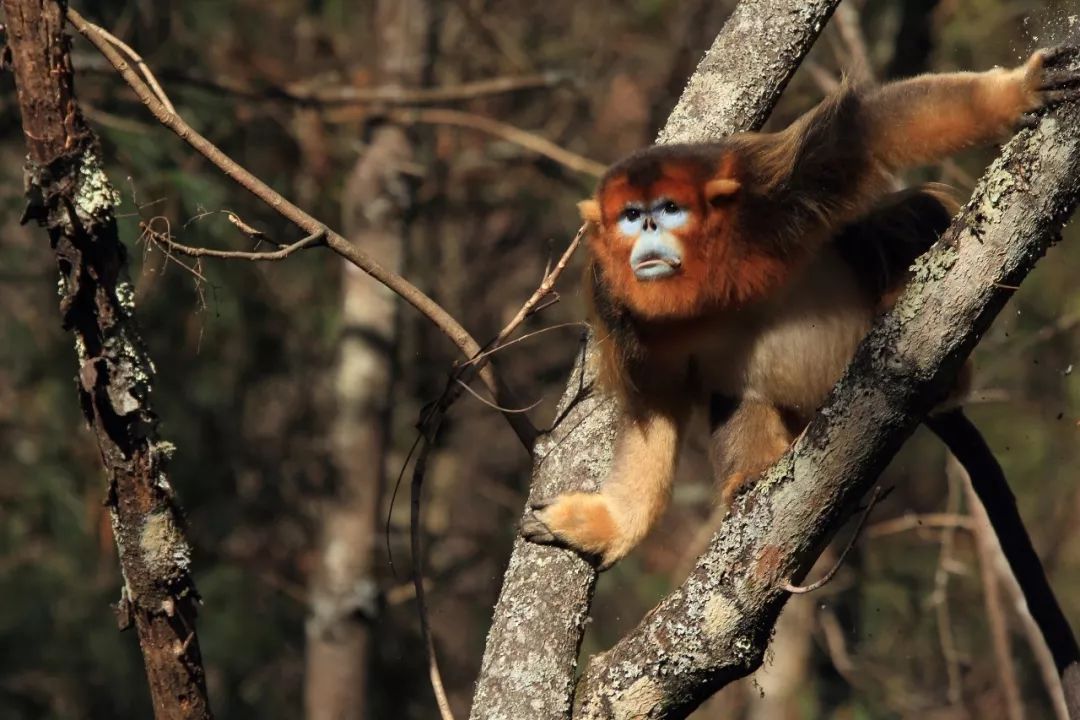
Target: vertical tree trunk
{"points": [[70, 196], [376, 202]]}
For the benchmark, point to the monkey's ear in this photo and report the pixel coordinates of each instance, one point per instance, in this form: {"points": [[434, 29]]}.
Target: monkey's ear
{"points": [[723, 185], [721, 188], [590, 211]]}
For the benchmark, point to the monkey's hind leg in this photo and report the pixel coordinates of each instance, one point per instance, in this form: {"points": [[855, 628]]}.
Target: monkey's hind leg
{"points": [[747, 437], [608, 524]]}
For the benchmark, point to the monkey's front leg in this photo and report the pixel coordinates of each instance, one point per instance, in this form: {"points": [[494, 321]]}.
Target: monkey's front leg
{"points": [[924, 119], [608, 524]]}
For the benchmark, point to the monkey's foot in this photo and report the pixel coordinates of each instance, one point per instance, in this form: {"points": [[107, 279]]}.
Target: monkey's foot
{"points": [[579, 521], [734, 485]]}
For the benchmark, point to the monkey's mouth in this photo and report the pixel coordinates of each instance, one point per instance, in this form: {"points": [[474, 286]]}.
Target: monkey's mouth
{"points": [[655, 267]]}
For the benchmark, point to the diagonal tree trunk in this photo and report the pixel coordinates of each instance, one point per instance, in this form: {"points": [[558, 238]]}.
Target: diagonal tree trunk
{"points": [[376, 203], [531, 655], [70, 196], [715, 628]]}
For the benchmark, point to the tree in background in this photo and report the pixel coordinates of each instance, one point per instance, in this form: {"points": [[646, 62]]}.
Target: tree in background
{"points": [[245, 355]]}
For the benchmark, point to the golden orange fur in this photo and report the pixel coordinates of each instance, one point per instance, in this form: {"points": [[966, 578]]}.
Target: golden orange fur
{"points": [[790, 246]]}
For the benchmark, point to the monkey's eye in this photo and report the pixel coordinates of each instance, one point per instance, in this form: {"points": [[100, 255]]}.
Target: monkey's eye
{"points": [[631, 214], [669, 215]]}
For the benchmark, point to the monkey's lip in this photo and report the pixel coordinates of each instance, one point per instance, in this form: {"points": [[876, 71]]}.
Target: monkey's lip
{"points": [[654, 268]]}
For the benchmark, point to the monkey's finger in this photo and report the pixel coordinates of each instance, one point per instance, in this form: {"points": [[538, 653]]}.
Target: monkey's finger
{"points": [[1027, 121], [1059, 54], [535, 530], [1055, 97], [1060, 79]]}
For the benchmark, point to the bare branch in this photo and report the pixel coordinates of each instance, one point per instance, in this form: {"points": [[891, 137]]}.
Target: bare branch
{"points": [[905, 523], [346, 95], [504, 131], [433, 95], [170, 245], [818, 584], [986, 546], [340, 245], [143, 67]]}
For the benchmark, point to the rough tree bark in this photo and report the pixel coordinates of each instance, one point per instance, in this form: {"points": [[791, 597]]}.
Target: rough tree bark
{"points": [[715, 628], [531, 655], [376, 202], [70, 196]]}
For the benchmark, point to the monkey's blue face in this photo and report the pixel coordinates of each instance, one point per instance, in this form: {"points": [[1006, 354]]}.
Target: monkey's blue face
{"points": [[657, 252]]}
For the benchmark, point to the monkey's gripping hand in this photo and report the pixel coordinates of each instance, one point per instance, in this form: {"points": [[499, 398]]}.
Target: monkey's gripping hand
{"points": [[578, 521], [1051, 76], [608, 524]]}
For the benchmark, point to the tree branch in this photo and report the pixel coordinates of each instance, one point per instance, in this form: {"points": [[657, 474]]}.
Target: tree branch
{"points": [[531, 141], [340, 245], [69, 194], [531, 655], [715, 627]]}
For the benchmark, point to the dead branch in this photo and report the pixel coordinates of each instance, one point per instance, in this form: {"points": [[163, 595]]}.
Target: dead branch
{"points": [[818, 584], [170, 245], [340, 245], [504, 131], [345, 95], [986, 546]]}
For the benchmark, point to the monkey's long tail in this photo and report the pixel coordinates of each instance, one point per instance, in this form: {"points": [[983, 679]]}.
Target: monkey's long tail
{"points": [[988, 479]]}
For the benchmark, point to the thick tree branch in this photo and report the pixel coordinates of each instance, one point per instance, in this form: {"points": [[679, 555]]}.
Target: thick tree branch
{"points": [[69, 194], [531, 655], [715, 628]]}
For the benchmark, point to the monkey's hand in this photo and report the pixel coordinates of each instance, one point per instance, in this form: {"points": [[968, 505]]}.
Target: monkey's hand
{"points": [[1049, 77], [583, 522]]}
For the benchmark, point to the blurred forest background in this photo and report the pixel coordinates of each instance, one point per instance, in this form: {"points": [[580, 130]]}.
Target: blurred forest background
{"points": [[291, 389]]}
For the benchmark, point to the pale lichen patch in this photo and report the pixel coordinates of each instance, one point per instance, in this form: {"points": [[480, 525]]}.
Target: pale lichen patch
{"points": [[163, 546], [637, 700], [718, 615], [95, 196]]}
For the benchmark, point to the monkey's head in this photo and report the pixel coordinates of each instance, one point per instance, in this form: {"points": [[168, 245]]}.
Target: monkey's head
{"points": [[668, 240]]}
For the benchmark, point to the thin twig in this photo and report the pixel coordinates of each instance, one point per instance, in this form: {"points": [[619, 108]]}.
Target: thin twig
{"points": [[1044, 659], [421, 96], [159, 93], [504, 131], [911, 521], [940, 600], [547, 284], [349, 95], [817, 585], [490, 404], [467, 370], [313, 240], [340, 245], [986, 548], [526, 336], [418, 577], [992, 488]]}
